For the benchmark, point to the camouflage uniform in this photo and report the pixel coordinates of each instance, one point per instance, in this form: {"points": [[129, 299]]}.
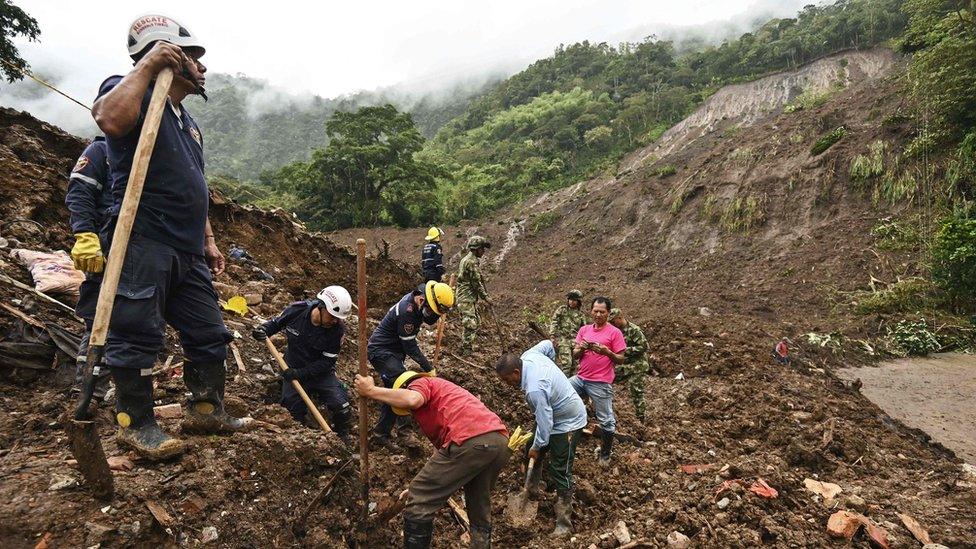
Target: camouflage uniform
{"points": [[563, 327], [635, 367], [470, 288]]}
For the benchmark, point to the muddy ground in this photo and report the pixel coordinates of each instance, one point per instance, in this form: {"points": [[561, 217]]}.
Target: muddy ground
{"points": [[736, 414]]}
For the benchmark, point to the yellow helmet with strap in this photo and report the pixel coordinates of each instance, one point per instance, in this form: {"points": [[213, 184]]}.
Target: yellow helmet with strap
{"points": [[434, 234], [404, 379], [440, 297]]}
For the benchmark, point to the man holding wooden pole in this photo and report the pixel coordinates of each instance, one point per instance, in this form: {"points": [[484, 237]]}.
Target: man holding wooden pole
{"points": [[314, 329], [171, 254]]}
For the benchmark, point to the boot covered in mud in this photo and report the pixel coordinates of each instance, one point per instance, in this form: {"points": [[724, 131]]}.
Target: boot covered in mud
{"points": [[564, 513], [340, 425], [418, 533], [606, 444], [134, 412], [480, 537], [205, 414]]}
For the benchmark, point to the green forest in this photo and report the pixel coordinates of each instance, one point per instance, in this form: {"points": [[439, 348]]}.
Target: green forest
{"points": [[567, 117]]}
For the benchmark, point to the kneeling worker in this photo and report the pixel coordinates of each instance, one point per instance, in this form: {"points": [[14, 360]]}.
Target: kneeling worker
{"points": [[560, 416], [472, 448], [314, 329]]}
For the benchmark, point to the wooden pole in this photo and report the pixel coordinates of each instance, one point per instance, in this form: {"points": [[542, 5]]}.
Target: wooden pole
{"points": [[441, 326], [85, 445], [363, 405], [298, 387]]}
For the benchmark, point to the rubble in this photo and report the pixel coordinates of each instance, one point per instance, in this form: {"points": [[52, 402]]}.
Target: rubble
{"points": [[677, 540]]}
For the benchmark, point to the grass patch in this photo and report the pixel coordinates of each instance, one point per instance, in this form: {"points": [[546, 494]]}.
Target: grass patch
{"points": [[744, 213], [895, 188], [810, 99], [665, 171], [543, 221], [869, 166], [898, 235], [910, 295], [828, 140]]}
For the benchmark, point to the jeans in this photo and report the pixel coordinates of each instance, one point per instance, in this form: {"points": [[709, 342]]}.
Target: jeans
{"points": [[602, 396]]}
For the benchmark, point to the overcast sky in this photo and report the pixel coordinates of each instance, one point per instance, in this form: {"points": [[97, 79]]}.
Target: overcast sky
{"points": [[332, 48]]}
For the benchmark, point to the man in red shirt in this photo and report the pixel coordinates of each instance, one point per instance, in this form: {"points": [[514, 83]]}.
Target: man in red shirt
{"points": [[472, 448]]}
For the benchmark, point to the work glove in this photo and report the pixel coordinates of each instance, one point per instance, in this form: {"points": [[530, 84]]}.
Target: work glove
{"points": [[290, 374], [518, 439], [259, 334], [87, 253]]}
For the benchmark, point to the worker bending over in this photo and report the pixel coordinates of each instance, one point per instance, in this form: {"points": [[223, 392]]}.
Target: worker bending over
{"points": [[314, 330]]}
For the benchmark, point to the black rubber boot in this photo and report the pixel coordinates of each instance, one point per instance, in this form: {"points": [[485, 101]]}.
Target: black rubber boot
{"points": [[564, 513], [340, 424], [418, 533], [606, 443], [205, 414], [137, 424], [101, 378], [480, 537]]}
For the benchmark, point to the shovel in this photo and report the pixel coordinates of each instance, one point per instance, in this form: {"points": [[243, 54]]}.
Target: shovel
{"points": [[521, 510], [85, 444], [298, 388]]}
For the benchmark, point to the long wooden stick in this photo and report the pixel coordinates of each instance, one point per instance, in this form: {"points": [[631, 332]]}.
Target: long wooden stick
{"points": [[363, 406], [441, 326], [42, 295], [298, 387]]}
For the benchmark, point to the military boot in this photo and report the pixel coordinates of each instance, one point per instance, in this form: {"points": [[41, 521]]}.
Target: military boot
{"points": [[205, 414], [480, 537], [606, 443], [340, 425], [418, 533], [134, 412], [564, 513]]}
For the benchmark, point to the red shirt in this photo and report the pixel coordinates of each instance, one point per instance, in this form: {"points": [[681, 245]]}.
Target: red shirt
{"points": [[450, 414]]}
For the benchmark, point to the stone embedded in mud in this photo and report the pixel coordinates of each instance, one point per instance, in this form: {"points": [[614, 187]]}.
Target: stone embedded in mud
{"points": [[723, 503], [621, 532], [677, 540], [208, 534]]}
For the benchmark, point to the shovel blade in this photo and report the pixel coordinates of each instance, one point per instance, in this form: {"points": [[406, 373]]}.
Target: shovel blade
{"points": [[86, 448], [521, 510]]}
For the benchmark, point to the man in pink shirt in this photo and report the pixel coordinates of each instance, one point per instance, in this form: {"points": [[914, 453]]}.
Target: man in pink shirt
{"points": [[599, 347]]}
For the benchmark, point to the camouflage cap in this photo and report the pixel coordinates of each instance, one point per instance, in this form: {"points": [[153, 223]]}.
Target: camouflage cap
{"points": [[476, 242], [614, 313], [575, 294]]}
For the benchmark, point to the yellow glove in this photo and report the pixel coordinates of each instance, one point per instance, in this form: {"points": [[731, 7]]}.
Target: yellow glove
{"points": [[87, 253], [518, 439]]}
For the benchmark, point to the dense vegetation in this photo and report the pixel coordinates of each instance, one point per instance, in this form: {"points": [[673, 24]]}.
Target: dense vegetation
{"points": [[574, 114], [14, 22]]}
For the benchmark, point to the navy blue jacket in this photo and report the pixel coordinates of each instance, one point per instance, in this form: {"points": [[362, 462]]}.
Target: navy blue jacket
{"points": [[432, 261], [175, 199], [397, 332], [312, 350], [89, 196]]}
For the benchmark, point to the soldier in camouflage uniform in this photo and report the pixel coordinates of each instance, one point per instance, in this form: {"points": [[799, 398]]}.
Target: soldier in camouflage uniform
{"points": [[565, 324], [635, 369], [470, 289]]}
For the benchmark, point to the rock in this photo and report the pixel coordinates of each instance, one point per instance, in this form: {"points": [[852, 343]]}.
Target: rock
{"points": [[677, 540], [168, 411], [61, 481], [934, 546], [856, 503], [253, 299], [208, 534], [827, 490], [704, 311], [723, 503], [97, 532], [120, 463], [843, 524], [225, 291], [621, 532], [969, 470]]}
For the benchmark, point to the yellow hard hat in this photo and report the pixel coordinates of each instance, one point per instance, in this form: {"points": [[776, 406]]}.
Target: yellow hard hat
{"points": [[237, 304], [440, 297], [434, 234], [402, 380]]}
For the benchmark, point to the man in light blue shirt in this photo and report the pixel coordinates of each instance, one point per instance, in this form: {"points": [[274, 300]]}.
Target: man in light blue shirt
{"points": [[559, 417]]}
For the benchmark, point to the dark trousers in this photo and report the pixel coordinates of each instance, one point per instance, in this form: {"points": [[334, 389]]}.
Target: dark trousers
{"points": [[326, 389], [160, 284], [473, 465], [560, 453], [389, 366]]}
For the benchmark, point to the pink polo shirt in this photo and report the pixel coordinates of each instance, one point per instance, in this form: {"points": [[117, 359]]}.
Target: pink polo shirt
{"points": [[594, 366]]}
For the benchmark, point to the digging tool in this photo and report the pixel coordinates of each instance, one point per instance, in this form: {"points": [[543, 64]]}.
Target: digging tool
{"points": [[85, 444], [298, 387], [441, 326], [363, 407], [521, 510], [539, 329]]}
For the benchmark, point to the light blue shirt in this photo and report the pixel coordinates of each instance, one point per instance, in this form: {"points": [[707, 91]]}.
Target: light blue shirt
{"points": [[557, 407]]}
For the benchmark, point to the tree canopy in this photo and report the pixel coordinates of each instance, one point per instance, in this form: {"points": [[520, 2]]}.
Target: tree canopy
{"points": [[14, 22]]}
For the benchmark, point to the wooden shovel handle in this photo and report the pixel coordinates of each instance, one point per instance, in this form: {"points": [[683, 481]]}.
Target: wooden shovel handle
{"points": [[298, 387]]}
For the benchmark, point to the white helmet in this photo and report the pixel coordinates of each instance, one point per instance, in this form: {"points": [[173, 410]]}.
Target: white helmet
{"points": [[337, 301], [150, 28]]}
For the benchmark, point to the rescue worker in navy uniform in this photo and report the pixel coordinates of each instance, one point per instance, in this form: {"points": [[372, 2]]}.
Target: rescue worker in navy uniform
{"points": [[432, 257], [314, 329], [172, 254], [89, 200], [396, 338]]}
